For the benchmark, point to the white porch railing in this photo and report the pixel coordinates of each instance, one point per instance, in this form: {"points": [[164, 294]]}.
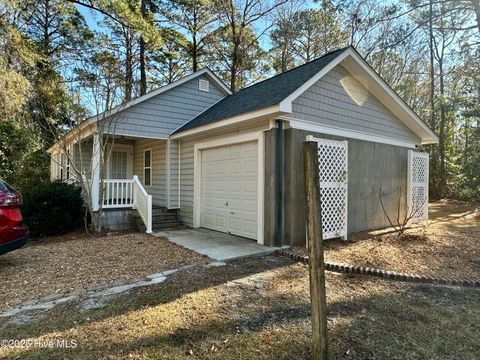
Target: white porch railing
{"points": [[128, 193], [117, 193], [143, 203]]}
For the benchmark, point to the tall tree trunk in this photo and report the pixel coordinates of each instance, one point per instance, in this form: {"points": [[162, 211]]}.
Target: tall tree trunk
{"points": [[284, 59], [194, 53], [143, 71], [441, 145], [128, 66], [194, 43], [235, 59], [434, 187]]}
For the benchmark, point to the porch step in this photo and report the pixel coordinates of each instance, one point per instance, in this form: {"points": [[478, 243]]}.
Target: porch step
{"points": [[161, 219], [165, 225], [158, 218]]}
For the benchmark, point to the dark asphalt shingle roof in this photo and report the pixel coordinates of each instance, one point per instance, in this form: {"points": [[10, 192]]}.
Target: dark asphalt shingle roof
{"points": [[261, 95]]}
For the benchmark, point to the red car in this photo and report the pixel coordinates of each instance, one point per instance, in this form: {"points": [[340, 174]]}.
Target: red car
{"points": [[13, 232]]}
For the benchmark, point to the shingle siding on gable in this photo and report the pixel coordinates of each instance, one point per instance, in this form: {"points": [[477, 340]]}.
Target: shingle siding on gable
{"points": [[158, 116], [328, 103]]}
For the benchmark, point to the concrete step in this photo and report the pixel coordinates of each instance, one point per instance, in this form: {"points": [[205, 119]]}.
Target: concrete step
{"points": [[158, 210], [166, 225], [163, 217]]}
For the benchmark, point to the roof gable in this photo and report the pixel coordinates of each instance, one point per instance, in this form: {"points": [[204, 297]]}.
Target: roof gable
{"points": [[263, 94], [205, 71], [283, 89]]}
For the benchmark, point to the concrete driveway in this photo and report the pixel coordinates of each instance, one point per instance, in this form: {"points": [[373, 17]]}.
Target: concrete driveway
{"points": [[216, 245]]}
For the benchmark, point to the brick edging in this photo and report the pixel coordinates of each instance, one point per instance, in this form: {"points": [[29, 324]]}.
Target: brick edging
{"points": [[390, 275]]}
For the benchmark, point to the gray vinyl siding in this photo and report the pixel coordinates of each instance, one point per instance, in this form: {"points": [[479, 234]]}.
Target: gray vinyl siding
{"points": [[328, 103], [174, 174], [82, 157], [185, 214], [159, 169], [160, 115]]}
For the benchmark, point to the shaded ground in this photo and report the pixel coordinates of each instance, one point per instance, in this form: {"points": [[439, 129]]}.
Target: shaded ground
{"points": [[258, 308], [448, 246], [62, 263]]}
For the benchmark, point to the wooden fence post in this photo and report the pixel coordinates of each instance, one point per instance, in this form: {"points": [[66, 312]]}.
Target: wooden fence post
{"points": [[316, 263]]}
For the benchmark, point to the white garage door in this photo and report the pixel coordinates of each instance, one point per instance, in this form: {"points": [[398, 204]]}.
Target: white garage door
{"points": [[229, 189]]}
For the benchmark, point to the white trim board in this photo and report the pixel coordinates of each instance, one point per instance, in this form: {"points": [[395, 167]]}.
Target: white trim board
{"points": [[257, 136], [351, 134], [167, 165]]}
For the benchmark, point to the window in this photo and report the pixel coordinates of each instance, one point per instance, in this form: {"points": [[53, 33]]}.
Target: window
{"points": [[203, 85], [147, 167]]}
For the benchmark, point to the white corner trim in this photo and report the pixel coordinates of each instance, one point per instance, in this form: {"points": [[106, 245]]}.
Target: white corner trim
{"points": [[352, 134], [179, 173], [268, 111], [167, 161], [257, 136], [260, 187]]}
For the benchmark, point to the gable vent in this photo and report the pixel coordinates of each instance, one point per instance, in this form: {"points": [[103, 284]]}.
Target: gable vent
{"points": [[203, 85]]}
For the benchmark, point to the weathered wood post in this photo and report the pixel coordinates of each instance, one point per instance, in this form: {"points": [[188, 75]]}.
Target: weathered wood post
{"points": [[316, 263]]}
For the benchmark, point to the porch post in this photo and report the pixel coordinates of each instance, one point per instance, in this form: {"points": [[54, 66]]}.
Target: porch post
{"points": [[95, 191]]}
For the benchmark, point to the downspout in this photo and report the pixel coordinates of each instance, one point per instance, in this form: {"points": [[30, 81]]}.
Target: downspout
{"points": [[280, 184]]}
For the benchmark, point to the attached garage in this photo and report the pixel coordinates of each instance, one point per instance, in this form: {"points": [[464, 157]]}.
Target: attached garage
{"points": [[367, 139], [229, 189]]}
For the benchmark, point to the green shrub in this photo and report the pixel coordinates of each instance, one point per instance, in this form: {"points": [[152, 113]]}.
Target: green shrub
{"points": [[51, 208]]}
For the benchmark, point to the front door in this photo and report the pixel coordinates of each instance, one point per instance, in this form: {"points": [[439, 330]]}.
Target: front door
{"points": [[120, 163]]}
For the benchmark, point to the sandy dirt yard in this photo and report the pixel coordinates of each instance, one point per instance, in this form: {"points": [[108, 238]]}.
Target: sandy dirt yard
{"points": [[258, 308], [449, 245], [77, 260]]}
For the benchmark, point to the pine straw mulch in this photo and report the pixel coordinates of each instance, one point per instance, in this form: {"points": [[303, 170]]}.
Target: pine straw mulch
{"points": [[77, 260], [448, 246]]}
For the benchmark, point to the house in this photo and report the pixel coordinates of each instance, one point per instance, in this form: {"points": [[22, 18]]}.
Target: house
{"points": [[234, 163]]}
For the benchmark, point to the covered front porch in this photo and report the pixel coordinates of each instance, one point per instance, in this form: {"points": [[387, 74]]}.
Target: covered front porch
{"points": [[120, 172]]}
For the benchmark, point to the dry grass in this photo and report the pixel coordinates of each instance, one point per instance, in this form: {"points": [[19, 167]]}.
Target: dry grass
{"points": [[77, 260], [258, 309], [448, 246]]}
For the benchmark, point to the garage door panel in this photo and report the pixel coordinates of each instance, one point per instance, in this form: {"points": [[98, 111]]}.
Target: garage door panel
{"points": [[215, 154], [249, 187], [249, 167], [250, 204], [229, 176], [234, 186]]}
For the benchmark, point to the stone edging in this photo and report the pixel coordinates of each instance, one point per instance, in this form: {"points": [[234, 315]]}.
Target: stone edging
{"points": [[390, 275]]}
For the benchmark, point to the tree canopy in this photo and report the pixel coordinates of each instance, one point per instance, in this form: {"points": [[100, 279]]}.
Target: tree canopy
{"points": [[64, 60]]}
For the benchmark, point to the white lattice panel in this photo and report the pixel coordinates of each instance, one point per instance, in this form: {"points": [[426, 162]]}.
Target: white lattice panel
{"points": [[333, 167], [417, 186]]}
